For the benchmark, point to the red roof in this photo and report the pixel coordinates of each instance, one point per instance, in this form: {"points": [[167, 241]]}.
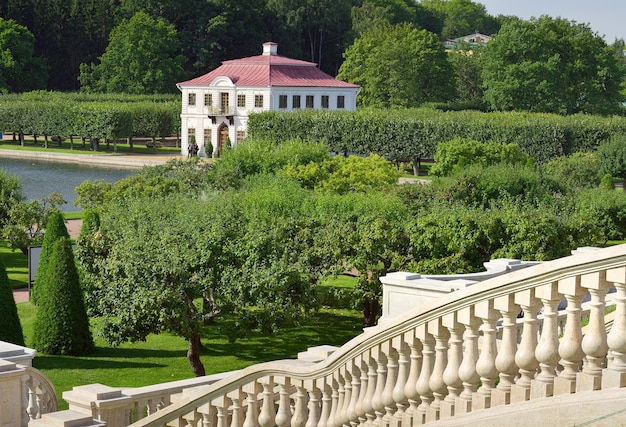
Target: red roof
{"points": [[270, 70]]}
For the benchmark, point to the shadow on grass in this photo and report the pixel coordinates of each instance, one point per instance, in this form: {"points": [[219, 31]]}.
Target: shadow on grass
{"points": [[320, 329], [125, 358]]}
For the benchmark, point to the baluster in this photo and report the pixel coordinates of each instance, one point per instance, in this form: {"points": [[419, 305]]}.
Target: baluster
{"points": [[615, 375], [283, 415], [347, 398], [381, 376], [221, 404], [467, 370], [299, 417], [410, 390], [252, 391], [486, 364], [191, 419], [570, 345], [334, 385], [338, 406], [236, 419], [547, 351], [436, 383], [399, 396], [451, 373], [327, 403], [314, 407], [428, 363], [370, 416], [505, 360], [361, 408], [33, 408], [267, 417], [390, 382], [594, 343], [525, 357], [355, 373], [209, 415]]}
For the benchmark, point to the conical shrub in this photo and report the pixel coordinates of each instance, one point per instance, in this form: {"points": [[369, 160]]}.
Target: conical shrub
{"points": [[10, 326], [61, 324], [55, 229]]}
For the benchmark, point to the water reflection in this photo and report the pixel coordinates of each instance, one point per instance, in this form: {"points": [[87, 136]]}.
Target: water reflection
{"points": [[39, 178]]}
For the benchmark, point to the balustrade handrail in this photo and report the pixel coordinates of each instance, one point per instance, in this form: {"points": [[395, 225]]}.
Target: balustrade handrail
{"points": [[522, 282]]}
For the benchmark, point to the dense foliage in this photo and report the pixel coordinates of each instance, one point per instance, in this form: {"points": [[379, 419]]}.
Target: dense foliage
{"points": [[413, 134], [10, 326], [61, 324], [552, 66]]}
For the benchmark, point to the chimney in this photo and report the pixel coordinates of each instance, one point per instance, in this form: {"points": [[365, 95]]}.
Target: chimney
{"points": [[270, 49]]}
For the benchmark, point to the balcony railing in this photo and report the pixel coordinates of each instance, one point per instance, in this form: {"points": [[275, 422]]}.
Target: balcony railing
{"points": [[221, 111]]}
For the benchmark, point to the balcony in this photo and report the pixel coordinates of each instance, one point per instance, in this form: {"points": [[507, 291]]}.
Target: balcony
{"points": [[223, 111]]}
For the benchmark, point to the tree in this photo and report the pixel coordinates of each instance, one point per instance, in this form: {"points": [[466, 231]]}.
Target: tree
{"points": [[551, 65], [10, 194], [142, 58], [461, 17], [10, 327], [398, 66], [466, 62], [55, 230], [20, 69], [61, 323], [612, 157], [27, 221]]}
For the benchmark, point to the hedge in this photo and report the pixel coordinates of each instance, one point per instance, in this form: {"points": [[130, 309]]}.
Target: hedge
{"points": [[413, 134]]}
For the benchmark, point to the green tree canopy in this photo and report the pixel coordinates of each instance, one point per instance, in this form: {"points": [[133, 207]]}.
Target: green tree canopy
{"points": [[461, 17], [142, 58], [20, 69], [398, 66], [551, 65]]}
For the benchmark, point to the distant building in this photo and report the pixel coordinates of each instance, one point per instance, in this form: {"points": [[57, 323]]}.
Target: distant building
{"points": [[472, 40], [215, 106]]}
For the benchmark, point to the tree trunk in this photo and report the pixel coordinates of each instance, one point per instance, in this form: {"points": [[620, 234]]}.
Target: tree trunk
{"points": [[193, 355], [416, 167]]}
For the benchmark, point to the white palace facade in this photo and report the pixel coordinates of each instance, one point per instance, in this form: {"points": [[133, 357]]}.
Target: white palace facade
{"points": [[216, 105]]}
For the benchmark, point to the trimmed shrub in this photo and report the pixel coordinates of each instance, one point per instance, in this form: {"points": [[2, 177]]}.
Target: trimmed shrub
{"points": [[55, 229], [579, 170], [10, 327], [612, 157], [453, 155], [61, 324]]}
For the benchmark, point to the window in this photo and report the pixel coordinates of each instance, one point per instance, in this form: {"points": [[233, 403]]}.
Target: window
{"points": [[241, 135], [241, 101], [295, 101], [258, 101], [310, 101], [341, 101], [208, 99], [225, 99], [282, 101], [191, 135], [207, 137], [324, 101], [191, 99]]}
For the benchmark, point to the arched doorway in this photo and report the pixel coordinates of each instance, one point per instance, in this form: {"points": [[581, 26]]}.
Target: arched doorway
{"points": [[222, 138]]}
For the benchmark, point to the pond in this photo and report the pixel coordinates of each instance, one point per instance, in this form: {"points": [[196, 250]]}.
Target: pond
{"points": [[39, 178]]}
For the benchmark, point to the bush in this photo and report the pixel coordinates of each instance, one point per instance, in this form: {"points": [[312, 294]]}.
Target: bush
{"points": [[10, 327], [579, 170], [453, 155], [612, 157], [61, 324]]}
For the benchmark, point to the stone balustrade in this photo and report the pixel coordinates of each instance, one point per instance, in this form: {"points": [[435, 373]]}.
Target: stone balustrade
{"points": [[466, 353], [25, 394]]}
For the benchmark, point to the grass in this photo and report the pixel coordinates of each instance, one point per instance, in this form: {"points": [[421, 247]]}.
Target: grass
{"points": [[162, 358]]}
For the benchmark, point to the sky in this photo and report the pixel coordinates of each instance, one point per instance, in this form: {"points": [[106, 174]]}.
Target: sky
{"points": [[605, 17]]}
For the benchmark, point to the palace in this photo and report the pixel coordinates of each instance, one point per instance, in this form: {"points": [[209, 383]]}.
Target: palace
{"points": [[216, 106]]}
